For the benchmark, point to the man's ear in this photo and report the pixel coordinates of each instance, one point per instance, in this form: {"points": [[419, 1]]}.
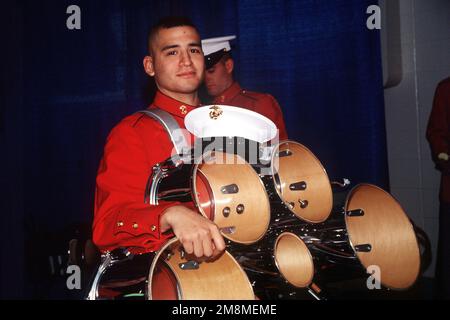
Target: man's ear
{"points": [[229, 65], [148, 66]]}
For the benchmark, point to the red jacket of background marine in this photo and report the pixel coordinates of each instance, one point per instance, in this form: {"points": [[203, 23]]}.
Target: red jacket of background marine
{"points": [[438, 134], [262, 103]]}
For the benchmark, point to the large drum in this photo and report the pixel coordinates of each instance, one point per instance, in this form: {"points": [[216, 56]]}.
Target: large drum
{"points": [[169, 274], [224, 187], [228, 191], [187, 278], [381, 234]]}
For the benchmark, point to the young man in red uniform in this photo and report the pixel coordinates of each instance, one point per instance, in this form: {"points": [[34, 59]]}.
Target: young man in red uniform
{"points": [[138, 142], [225, 90]]}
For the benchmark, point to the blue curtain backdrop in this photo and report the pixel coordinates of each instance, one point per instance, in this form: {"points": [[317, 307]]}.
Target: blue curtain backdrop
{"points": [[63, 90]]}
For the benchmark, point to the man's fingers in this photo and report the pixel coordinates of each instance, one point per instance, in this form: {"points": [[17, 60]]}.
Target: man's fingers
{"points": [[198, 235], [208, 247], [217, 238], [188, 247], [198, 248]]}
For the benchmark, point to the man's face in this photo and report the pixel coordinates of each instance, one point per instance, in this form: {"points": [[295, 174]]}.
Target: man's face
{"points": [[177, 61], [219, 77]]}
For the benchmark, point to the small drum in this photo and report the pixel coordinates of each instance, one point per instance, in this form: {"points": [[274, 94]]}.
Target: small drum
{"points": [[169, 274], [293, 260], [299, 182], [280, 265]]}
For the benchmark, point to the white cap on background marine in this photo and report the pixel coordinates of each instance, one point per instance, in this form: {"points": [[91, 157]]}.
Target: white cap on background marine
{"points": [[214, 49]]}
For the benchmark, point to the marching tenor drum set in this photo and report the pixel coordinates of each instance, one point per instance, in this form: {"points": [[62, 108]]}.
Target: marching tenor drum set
{"points": [[285, 231]]}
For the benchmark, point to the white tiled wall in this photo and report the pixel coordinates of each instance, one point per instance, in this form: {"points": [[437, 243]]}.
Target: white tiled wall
{"points": [[425, 56]]}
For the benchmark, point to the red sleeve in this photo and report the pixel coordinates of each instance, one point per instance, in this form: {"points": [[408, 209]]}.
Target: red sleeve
{"points": [[438, 133], [121, 218]]}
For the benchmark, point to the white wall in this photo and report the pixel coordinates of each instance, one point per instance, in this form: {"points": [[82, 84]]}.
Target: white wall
{"points": [[422, 47]]}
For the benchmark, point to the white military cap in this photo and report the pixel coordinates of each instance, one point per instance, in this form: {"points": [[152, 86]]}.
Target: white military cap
{"points": [[229, 121], [214, 49]]}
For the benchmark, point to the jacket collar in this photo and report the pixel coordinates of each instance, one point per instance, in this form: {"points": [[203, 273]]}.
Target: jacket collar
{"points": [[174, 107]]}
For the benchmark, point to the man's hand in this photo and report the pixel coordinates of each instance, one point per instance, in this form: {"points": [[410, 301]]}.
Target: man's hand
{"points": [[197, 234], [442, 163], [443, 156]]}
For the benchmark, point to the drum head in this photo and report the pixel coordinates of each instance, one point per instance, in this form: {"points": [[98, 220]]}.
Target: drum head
{"points": [[293, 259], [232, 195], [298, 166], [164, 283], [386, 227], [221, 279]]}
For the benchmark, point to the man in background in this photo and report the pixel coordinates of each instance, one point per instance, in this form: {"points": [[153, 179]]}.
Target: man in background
{"points": [[438, 135], [222, 87]]}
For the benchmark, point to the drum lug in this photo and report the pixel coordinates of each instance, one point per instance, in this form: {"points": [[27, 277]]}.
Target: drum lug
{"points": [[228, 230], [355, 213], [363, 248], [298, 186], [284, 153], [190, 265], [230, 189], [120, 254]]}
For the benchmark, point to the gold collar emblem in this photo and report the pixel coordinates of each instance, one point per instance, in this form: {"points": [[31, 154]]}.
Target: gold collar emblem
{"points": [[183, 109]]}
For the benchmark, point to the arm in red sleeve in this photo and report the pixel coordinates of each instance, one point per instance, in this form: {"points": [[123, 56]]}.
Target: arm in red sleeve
{"points": [[122, 219], [438, 127]]}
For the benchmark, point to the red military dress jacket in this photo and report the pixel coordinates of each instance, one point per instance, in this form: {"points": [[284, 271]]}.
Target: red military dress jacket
{"points": [[133, 147], [262, 103], [438, 134]]}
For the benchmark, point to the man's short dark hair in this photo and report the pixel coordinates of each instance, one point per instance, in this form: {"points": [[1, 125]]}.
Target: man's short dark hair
{"points": [[210, 62], [167, 23], [226, 56]]}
